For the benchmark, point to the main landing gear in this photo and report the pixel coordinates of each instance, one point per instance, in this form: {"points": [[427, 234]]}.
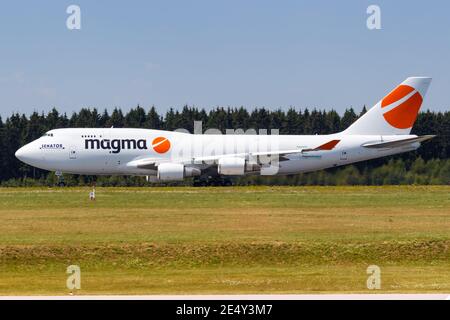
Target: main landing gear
{"points": [[217, 181]]}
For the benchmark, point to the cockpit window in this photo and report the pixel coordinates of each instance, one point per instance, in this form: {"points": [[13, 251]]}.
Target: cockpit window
{"points": [[48, 134]]}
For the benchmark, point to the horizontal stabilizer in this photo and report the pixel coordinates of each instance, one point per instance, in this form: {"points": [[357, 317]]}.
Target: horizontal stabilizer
{"points": [[397, 143]]}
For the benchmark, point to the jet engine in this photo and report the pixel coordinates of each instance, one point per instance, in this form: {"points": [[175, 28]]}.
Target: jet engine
{"points": [[234, 166], [175, 172]]}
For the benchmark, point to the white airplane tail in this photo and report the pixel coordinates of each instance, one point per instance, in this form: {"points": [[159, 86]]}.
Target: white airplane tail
{"points": [[396, 112]]}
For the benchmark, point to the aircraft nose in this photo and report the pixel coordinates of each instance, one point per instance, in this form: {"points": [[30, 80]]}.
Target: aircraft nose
{"points": [[29, 154], [20, 154]]}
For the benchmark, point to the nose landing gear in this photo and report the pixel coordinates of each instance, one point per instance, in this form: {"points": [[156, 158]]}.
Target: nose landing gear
{"points": [[60, 177]]}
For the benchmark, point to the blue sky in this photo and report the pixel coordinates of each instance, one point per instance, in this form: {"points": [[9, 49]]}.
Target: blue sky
{"points": [[254, 53]]}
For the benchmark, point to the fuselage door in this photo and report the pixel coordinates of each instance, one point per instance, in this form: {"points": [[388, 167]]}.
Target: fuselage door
{"points": [[73, 152]]}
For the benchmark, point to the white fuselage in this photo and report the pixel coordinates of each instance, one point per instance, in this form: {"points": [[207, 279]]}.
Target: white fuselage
{"points": [[112, 151]]}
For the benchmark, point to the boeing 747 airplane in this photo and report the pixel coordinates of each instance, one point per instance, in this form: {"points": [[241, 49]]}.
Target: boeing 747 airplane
{"points": [[211, 158]]}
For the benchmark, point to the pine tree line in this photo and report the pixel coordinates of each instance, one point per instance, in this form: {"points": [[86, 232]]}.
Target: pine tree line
{"points": [[18, 129]]}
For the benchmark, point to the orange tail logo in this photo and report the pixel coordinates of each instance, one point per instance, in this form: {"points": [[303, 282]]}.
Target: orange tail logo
{"points": [[161, 144], [404, 114]]}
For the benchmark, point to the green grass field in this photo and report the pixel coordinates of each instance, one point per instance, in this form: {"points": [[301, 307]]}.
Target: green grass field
{"points": [[225, 240]]}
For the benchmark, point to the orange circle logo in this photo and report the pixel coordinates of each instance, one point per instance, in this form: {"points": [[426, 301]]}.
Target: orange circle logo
{"points": [[403, 115], [161, 144]]}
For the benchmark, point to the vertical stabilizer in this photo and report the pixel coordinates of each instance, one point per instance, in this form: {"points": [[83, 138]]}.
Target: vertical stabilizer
{"points": [[396, 112]]}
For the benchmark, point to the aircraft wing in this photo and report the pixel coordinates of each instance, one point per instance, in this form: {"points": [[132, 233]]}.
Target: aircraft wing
{"points": [[397, 143], [152, 163], [281, 153], [246, 155]]}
